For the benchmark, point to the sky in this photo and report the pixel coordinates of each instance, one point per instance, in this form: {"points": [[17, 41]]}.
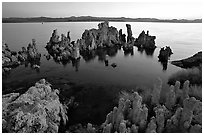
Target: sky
{"points": [[147, 9]]}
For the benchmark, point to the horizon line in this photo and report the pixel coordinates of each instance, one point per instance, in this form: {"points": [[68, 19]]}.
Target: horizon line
{"points": [[106, 17]]}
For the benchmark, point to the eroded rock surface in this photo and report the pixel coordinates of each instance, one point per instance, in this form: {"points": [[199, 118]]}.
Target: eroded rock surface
{"points": [[36, 111], [11, 59], [62, 49], [104, 36], [132, 114]]}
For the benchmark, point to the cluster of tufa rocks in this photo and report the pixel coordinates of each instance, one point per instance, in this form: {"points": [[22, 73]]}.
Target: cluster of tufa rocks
{"points": [[37, 110], [62, 49], [127, 46], [180, 113], [93, 39], [30, 54], [104, 36], [145, 41], [9, 58], [12, 59]]}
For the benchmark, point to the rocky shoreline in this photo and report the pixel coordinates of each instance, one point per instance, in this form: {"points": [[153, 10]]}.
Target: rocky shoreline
{"points": [[40, 110], [193, 61]]}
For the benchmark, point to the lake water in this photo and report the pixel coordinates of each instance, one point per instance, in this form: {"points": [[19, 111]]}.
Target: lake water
{"points": [[96, 86]]}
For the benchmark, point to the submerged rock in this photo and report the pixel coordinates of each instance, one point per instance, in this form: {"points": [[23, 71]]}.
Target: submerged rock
{"points": [[145, 41], [114, 65], [36, 111], [193, 61]]}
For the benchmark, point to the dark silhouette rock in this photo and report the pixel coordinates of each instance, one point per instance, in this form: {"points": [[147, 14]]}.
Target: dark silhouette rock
{"points": [[129, 34], [123, 38], [120, 35], [193, 61], [164, 54], [145, 41]]}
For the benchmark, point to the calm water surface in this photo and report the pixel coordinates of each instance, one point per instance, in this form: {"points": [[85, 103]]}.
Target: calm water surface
{"points": [[96, 86]]}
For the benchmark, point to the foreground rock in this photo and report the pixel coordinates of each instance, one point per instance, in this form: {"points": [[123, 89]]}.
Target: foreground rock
{"points": [[179, 113], [145, 41], [194, 75], [104, 36], [64, 49], [132, 114], [193, 61], [36, 111]]}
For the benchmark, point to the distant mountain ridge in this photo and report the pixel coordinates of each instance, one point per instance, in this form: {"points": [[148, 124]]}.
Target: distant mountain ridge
{"points": [[92, 19]]}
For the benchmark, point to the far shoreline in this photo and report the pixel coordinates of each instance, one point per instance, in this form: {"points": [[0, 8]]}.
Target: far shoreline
{"points": [[95, 19], [98, 21]]}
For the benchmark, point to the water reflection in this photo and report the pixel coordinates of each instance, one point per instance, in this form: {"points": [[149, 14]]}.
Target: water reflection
{"points": [[103, 54], [76, 64], [88, 55], [129, 52], [34, 64], [164, 65], [148, 52]]}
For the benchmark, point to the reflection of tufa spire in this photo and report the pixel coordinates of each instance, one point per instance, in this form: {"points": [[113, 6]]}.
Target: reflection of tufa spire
{"points": [[76, 64]]}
